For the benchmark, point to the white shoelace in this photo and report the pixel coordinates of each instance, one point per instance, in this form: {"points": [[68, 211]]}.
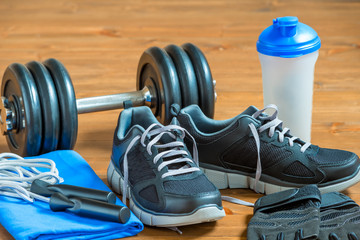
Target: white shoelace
{"points": [[272, 123], [174, 151], [237, 201], [17, 174]]}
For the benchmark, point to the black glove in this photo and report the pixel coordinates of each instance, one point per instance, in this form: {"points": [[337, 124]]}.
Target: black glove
{"points": [[340, 218], [288, 215]]}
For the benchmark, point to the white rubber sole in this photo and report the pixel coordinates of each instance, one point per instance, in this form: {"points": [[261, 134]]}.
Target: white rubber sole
{"points": [[223, 180], [205, 214]]}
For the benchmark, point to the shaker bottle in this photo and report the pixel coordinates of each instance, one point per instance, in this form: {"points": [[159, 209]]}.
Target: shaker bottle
{"points": [[288, 50]]}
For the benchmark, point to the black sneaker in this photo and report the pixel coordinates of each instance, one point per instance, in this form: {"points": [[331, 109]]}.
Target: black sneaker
{"points": [[252, 149], [165, 186]]}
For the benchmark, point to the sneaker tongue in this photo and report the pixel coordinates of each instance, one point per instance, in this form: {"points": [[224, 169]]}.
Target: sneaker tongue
{"points": [[250, 110], [174, 121]]}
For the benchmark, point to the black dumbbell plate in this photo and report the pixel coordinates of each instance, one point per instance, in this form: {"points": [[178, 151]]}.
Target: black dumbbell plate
{"points": [[204, 78], [186, 75], [157, 72], [67, 103], [18, 86], [49, 106]]}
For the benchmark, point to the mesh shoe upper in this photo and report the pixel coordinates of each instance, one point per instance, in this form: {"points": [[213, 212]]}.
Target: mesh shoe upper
{"points": [[179, 193], [230, 146]]}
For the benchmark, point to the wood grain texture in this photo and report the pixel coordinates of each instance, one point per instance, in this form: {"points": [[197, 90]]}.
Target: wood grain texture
{"points": [[100, 43]]}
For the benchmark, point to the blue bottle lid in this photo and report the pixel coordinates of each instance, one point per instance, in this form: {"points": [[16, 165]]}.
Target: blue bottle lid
{"points": [[288, 38]]}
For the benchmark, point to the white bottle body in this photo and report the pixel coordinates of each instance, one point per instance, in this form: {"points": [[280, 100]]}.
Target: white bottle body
{"points": [[288, 83]]}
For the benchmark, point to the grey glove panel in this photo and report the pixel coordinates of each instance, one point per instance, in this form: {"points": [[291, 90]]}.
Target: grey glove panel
{"points": [[287, 215], [340, 218], [285, 225]]}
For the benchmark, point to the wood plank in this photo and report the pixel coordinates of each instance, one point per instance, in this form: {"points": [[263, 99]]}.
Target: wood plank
{"points": [[100, 43]]}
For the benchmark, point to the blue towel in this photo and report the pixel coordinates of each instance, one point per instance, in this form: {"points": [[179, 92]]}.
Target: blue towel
{"points": [[25, 220]]}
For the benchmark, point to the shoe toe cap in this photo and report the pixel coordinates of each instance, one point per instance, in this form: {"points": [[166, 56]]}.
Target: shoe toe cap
{"points": [[180, 204], [342, 168]]}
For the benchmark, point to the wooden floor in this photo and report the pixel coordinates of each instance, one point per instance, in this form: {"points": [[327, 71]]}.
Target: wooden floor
{"points": [[100, 43]]}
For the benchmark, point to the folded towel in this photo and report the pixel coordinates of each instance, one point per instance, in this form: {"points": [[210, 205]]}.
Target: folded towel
{"points": [[35, 220]]}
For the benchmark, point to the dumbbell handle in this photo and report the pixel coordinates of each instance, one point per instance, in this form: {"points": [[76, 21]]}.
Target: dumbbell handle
{"points": [[114, 101], [144, 97]]}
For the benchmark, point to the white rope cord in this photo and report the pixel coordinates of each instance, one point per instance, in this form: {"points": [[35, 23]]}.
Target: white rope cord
{"points": [[17, 175]]}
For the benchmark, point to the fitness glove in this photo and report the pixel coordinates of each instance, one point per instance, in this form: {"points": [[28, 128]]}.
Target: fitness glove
{"points": [[340, 218], [288, 215]]}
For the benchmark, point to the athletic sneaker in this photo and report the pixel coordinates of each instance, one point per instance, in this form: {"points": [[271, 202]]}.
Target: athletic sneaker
{"points": [[253, 150], [165, 186]]}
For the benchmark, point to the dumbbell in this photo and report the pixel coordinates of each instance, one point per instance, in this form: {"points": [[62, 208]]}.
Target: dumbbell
{"points": [[38, 108]]}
